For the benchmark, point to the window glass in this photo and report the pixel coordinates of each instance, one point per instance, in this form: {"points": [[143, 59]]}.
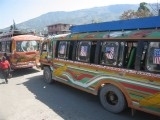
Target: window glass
{"points": [[3, 46], [121, 54], [27, 46], [109, 53], [44, 47], [62, 50], [153, 58], [83, 51], [130, 54], [0, 46], [8, 46]]}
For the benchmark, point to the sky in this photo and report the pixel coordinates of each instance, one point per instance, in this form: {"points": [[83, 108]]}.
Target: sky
{"points": [[23, 10]]}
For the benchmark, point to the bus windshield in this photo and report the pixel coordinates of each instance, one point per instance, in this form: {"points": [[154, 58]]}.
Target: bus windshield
{"points": [[27, 46]]}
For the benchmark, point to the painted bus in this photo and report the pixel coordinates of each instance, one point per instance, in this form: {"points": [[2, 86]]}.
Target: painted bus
{"points": [[122, 67], [22, 50]]}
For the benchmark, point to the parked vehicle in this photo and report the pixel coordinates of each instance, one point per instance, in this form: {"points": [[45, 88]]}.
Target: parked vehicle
{"points": [[22, 50], [122, 67]]}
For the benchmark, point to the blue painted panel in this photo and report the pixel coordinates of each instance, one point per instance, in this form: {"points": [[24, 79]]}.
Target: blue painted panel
{"points": [[141, 23]]}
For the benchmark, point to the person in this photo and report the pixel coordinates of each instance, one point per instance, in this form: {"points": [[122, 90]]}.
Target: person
{"points": [[7, 57], [0, 69], [9, 70], [5, 66]]}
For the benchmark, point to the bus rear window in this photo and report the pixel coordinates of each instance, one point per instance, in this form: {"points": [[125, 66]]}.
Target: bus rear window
{"points": [[27, 46], [153, 59]]}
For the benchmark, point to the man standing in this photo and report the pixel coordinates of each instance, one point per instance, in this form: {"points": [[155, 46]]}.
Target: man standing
{"points": [[5, 66]]}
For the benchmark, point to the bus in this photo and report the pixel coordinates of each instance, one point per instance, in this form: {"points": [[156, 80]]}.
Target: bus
{"points": [[22, 50], [122, 66]]}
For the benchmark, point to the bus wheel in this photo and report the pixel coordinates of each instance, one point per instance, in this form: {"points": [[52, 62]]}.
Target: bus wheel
{"points": [[47, 75], [112, 99]]}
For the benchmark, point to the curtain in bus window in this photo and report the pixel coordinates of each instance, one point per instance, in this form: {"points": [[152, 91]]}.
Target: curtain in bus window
{"points": [[84, 51], [156, 56], [110, 53], [153, 59], [62, 50]]}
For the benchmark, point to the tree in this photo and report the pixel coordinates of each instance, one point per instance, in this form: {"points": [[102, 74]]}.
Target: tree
{"points": [[143, 11], [143, 6], [130, 14]]}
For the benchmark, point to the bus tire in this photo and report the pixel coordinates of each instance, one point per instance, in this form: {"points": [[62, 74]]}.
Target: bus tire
{"points": [[47, 75], [112, 99]]}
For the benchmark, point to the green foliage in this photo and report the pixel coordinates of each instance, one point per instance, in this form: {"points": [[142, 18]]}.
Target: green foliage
{"points": [[143, 11]]}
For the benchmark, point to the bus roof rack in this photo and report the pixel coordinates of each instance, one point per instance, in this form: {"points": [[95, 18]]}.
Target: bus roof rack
{"points": [[132, 24]]}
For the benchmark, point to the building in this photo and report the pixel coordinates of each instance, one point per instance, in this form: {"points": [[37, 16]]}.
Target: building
{"points": [[59, 28]]}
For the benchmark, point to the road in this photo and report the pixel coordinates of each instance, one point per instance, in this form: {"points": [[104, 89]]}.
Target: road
{"points": [[28, 97]]}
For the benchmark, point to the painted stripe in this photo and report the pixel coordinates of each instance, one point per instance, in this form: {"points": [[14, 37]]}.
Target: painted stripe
{"points": [[83, 70], [78, 68], [139, 88], [101, 77], [81, 76]]}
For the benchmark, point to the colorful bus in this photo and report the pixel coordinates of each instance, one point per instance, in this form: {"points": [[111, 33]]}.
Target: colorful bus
{"points": [[23, 51], [122, 67]]}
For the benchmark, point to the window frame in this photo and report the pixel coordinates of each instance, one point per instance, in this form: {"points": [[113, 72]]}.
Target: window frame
{"points": [[78, 50], [148, 57], [102, 52]]}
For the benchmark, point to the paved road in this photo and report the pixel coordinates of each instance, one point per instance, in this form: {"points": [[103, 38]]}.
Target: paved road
{"points": [[28, 97]]}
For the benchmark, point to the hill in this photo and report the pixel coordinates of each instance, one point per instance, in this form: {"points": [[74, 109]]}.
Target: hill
{"points": [[84, 16]]}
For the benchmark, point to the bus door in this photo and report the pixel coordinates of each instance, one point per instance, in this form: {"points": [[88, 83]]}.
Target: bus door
{"points": [[46, 52]]}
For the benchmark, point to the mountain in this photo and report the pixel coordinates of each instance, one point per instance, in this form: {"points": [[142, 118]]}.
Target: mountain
{"points": [[84, 16]]}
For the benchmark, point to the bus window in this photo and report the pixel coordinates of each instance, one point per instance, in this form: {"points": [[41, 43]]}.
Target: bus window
{"points": [[62, 50], [65, 50], [130, 54], [26, 46], [109, 53], [44, 47], [83, 51], [3, 46], [18, 46], [0, 46], [143, 56], [70, 50], [8, 46], [121, 54], [153, 57]]}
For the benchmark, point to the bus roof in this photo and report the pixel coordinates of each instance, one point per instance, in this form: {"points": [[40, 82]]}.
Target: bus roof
{"points": [[129, 34], [132, 24], [26, 37]]}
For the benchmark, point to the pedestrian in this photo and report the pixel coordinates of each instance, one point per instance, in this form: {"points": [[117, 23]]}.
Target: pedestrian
{"points": [[9, 70], [5, 66], [7, 57], [1, 76]]}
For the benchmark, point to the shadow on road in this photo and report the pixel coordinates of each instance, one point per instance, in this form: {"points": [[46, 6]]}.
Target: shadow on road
{"points": [[21, 72], [73, 104]]}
